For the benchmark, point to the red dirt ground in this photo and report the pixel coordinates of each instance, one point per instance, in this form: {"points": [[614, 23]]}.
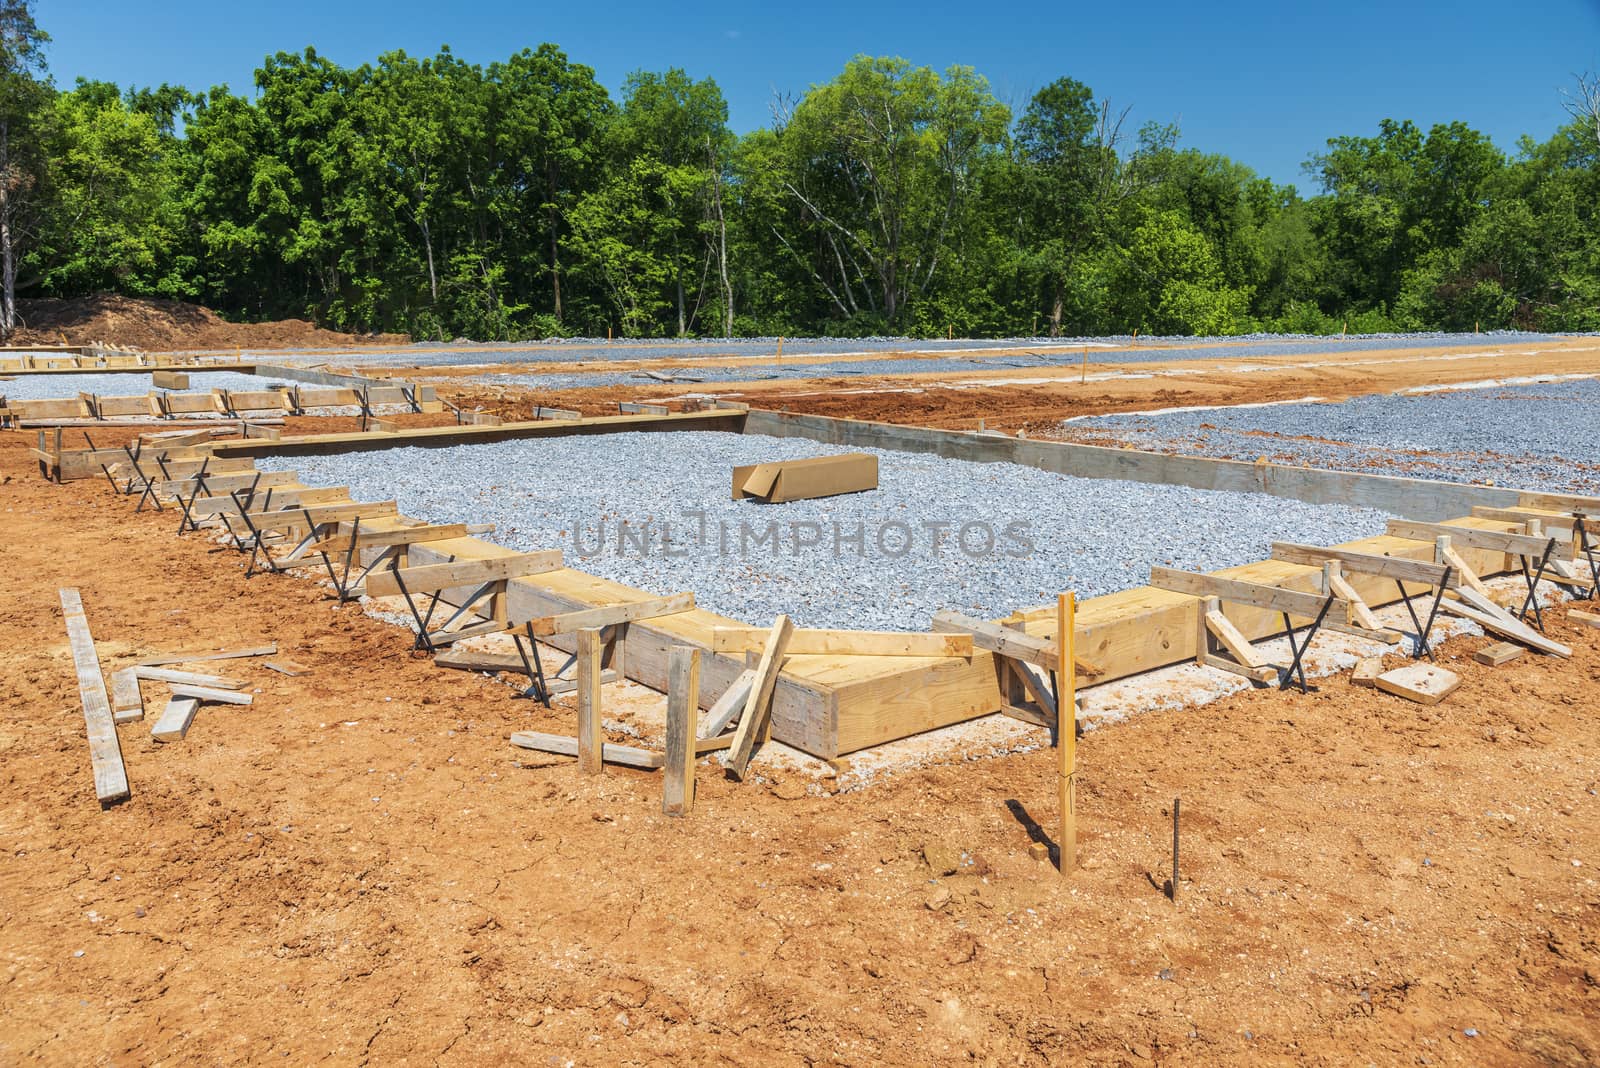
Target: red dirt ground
{"points": [[165, 325], [359, 868]]}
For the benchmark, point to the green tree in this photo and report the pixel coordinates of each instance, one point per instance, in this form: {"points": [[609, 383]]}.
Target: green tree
{"points": [[25, 94]]}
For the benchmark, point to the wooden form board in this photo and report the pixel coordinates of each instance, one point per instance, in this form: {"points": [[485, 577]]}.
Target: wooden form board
{"points": [[470, 572], [797, 480], [1501, 541], [804, 642], [105, 751]]}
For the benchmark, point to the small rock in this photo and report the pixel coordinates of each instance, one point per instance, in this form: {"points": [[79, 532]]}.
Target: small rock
{"points": [[1039, 851], [941, 858], [937, 900], [789, 789]]}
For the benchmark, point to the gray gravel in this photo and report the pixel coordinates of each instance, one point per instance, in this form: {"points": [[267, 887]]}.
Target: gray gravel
{"points": [[50, 387], [1093, 536], [1539, 436]]}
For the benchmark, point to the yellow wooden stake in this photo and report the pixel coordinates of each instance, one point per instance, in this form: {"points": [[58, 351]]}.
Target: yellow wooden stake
{"points": [[780, 348], [1085, 378], [1067, 727]]}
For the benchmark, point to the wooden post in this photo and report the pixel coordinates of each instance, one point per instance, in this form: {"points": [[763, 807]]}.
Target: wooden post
{"points": [[780, 348], [590, 741], [683, 706], [1067, 728], [1085, 379]]}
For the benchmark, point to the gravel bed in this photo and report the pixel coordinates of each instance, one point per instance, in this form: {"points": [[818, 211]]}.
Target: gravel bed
{"points": [[579, 350], [1539, 436], [54, 387], [1094, 536]]}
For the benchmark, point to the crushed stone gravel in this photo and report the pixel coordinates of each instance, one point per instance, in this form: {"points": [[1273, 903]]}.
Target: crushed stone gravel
{"points": [[654, 511]]}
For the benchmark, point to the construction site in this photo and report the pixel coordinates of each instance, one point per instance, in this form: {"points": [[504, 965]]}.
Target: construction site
{"points": [[1037, 701]]}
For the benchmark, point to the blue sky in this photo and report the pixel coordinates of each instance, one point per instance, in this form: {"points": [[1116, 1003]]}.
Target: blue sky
{"points": [[1264, 82]]}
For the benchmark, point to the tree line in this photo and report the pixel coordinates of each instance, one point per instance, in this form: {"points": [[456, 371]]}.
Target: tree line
{"points": [[520, 199]]}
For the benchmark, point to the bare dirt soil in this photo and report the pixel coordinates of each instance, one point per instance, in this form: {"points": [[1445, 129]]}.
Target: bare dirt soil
{"points": [[167, 325], [359, 869]]}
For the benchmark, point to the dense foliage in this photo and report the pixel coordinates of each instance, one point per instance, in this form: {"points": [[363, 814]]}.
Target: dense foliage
{"points": [[520, 199]]}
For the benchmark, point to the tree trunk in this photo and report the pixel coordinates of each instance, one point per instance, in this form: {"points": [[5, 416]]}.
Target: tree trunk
{"points": [[433, 275], [8, 256], [722, 249], [555, 259]]}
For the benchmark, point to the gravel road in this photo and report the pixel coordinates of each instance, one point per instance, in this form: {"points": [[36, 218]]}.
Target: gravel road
{"points": [[51, 387], [1013, 536]]}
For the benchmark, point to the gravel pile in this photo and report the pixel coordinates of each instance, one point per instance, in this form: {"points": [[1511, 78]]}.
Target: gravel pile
{"points": [[1539, 436], [654, 511], [54, 387]]}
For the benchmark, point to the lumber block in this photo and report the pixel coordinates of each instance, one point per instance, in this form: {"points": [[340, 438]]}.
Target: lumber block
{"points": [[1394, 567], [201, 657], [127, 703], [1367, 672], [1587, 619], [844, 642], [590, 736], [1426, 684], [758, 705], [1499, 653], [610, 615], [1254, 594], [796, 480], [1497, 541], [207, 693], [190, 678], [174, 721], [683, 709], [105, 752], [430, 577], [612, 754], [169, 379]]}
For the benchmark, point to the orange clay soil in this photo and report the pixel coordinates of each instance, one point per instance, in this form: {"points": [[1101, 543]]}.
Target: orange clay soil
{"points": [[359, 869], [1036, 400]]}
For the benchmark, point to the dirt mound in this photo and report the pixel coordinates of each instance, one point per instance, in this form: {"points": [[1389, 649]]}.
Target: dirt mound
{"points": [[163, 325]]}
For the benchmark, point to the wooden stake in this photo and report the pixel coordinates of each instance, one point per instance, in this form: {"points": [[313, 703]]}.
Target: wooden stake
{"points": [[1085, 379], [1067, 728], [780, 347], [590, 760], [683, 706]]}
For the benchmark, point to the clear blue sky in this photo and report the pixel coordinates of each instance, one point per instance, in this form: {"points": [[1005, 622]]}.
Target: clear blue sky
{"points": [[1264, 82]]}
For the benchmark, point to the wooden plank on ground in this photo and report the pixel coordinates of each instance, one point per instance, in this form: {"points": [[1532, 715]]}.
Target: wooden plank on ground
{"points": [[1367, 671], [201, 657], [207, 693], [105, 752], [794, 480], [174, 721], [127, 704], [683, 709], [1426, 684], [563, 745], [1394, 567], [611, 615], [1507, 626], [758, 705], [432, 577], [1587, 619], [1497, 541], [286, 667], [1499, 653], [845, 642], [1254, 594], [190, 678]]}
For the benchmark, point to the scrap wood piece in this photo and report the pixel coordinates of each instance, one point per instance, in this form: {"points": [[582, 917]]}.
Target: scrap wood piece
{"points": [[722, 712], [197, 658], [214, 696], [1016, 644], [683, 708], [1499, 653], [175, 719], [159, 674], [127, 703], [1587, 619], [286, 667], [1426, 684], [610, 615], [805, 642], [1367, 672], [1254, 594], [757, 711], [796, 480], [1501, 622], [564, 745], [1495, 541], [105, 752], [431, 577]]}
